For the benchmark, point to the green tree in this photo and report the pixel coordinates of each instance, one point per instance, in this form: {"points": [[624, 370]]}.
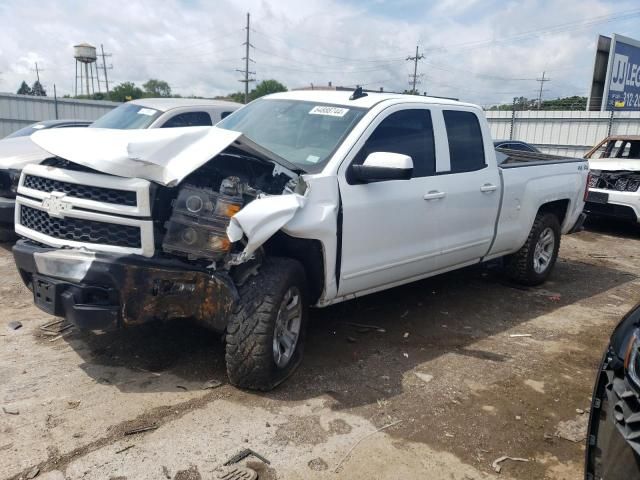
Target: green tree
{"points": [[156, 88], [24, 89], [265, 88], [126, 91], [37, 90]]}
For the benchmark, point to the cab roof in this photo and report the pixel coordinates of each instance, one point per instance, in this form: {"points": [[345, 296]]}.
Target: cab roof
{"points": [[368, 101], [166, 104]]}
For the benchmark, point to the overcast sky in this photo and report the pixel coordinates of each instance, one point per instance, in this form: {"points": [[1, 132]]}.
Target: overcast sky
{"points": [[480, 51]]}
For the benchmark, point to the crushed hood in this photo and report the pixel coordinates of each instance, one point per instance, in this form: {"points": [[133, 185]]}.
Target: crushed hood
{"points": [[17, 153], [615, 164], [163, 155]]}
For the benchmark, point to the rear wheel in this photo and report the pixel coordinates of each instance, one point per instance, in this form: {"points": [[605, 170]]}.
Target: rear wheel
{"points": [[266, 332], [533, 263]]}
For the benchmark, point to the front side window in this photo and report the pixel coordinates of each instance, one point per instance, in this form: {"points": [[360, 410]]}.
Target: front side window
{"points": [[408, 132], [303, 133], [466, 147], [189, 119], [127, 117]]}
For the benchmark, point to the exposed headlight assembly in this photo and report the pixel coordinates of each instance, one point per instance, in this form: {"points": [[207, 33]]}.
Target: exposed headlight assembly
{"points": [[198, 224]]}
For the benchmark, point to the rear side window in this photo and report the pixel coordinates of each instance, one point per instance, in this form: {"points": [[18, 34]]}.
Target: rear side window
{"points": [[189, 119], [466, 148], [408, 132]]}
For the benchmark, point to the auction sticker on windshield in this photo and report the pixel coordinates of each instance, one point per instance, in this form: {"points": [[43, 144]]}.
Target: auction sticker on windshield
{"points": [[146, 111], [331, 111]]}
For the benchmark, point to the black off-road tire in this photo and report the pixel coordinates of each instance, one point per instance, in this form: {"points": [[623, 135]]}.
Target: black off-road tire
{"points": [[519, 266], [249, 337]]}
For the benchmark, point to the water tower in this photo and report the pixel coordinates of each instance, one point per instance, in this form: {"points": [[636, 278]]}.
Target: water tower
{"points": [[85, 56]]}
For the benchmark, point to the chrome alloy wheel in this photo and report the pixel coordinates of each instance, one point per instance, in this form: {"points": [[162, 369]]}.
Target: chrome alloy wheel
{"points": [[287, 330], [543, 252]]}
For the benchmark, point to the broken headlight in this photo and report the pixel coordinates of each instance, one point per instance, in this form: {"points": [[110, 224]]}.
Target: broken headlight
{"points": [[198, 224]]}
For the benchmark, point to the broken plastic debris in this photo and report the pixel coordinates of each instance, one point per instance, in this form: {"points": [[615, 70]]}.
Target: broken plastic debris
{"points": [[140, 429], [496, 463], [33, 473], [211, 384], [405, 355], [14, 325], [425, 377], [517, 335]]}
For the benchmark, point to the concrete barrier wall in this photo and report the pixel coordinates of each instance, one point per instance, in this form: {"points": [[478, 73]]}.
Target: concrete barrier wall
{"points": [[18, 111]]}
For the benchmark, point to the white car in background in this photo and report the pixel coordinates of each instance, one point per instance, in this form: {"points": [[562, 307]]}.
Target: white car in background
{"points": [[18, 152], [614, 184]]}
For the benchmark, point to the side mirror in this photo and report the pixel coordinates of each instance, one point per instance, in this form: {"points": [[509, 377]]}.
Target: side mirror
{"points": [[380, 166]]}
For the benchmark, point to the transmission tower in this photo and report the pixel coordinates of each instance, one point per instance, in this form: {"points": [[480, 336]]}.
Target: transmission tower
{"points": [[247, 59]]}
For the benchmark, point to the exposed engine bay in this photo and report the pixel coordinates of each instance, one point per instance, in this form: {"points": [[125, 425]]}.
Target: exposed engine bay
{"points": [[203, 204], [621, 181]]}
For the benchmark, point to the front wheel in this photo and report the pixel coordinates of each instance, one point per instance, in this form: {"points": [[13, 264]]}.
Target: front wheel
{"points": [[532, 264], [266, 332]]}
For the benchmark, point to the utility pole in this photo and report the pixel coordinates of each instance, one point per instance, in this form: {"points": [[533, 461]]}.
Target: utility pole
{"points": [[247, 59], [104, 68], [37, 73], [541, 80], [414, 77]]}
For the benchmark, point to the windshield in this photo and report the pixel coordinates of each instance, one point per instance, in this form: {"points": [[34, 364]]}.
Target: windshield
{"points": [[26, 131], [304, 133], [126, 117]]}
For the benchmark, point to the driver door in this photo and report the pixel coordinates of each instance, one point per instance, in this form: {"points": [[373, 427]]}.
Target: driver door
{"points": [[389, 228]]}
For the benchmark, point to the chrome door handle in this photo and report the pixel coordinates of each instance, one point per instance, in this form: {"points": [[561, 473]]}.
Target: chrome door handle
{"points": [[488, 187], [434, 195]]}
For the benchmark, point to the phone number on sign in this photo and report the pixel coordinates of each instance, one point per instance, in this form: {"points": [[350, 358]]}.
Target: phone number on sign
{"points": [[632, 100]]}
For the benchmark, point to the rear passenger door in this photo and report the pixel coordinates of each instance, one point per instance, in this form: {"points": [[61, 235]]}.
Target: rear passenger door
{"points": [[471, 190], [189, 119]]}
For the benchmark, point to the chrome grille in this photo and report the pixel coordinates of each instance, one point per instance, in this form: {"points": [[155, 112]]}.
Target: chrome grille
{"points": [[80, 230], [87, 192]]}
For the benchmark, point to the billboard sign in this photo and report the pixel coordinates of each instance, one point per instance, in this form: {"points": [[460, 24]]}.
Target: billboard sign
{"points": [[622, 83]]}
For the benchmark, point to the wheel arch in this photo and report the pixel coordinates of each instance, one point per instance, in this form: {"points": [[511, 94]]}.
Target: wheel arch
{"points": [[308, 252], [559, 208]]}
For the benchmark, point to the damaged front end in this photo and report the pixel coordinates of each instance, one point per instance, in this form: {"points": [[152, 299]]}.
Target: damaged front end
{"points": [[107, 251], [620, 181]]}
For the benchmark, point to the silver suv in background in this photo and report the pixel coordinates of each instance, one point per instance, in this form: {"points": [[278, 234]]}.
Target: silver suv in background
{"points": [[166, 113], [16, 153]]}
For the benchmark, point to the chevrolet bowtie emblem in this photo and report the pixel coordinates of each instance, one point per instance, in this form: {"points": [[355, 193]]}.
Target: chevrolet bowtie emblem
{"points": [[55, 206]]}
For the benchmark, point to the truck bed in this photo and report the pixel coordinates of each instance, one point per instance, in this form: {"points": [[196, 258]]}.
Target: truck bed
{"points": [[508, 158]]}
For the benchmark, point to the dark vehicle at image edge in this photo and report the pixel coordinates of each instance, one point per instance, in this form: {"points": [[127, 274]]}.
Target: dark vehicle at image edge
{"points": [[613, 437]]}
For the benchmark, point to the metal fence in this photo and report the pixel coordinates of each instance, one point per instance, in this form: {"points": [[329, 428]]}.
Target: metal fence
{"points": [[561, 132], [17, 111]]}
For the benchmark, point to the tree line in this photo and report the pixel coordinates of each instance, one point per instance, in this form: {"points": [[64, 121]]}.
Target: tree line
{"points": [[154, 88]]}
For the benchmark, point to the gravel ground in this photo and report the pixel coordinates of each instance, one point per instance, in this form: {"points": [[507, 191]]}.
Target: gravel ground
{"points": [[468, 368]]}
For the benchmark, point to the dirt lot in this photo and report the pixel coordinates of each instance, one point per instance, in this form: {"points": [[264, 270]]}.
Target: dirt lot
{"points": [[446, 371]]}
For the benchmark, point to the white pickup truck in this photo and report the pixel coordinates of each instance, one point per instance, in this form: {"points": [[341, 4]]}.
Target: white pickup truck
{"points": [[298, 199], [614, 184]]}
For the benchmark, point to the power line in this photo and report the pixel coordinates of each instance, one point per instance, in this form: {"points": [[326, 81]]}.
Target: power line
{"points": [[564, 27], [415, 60], [247, 59]]}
